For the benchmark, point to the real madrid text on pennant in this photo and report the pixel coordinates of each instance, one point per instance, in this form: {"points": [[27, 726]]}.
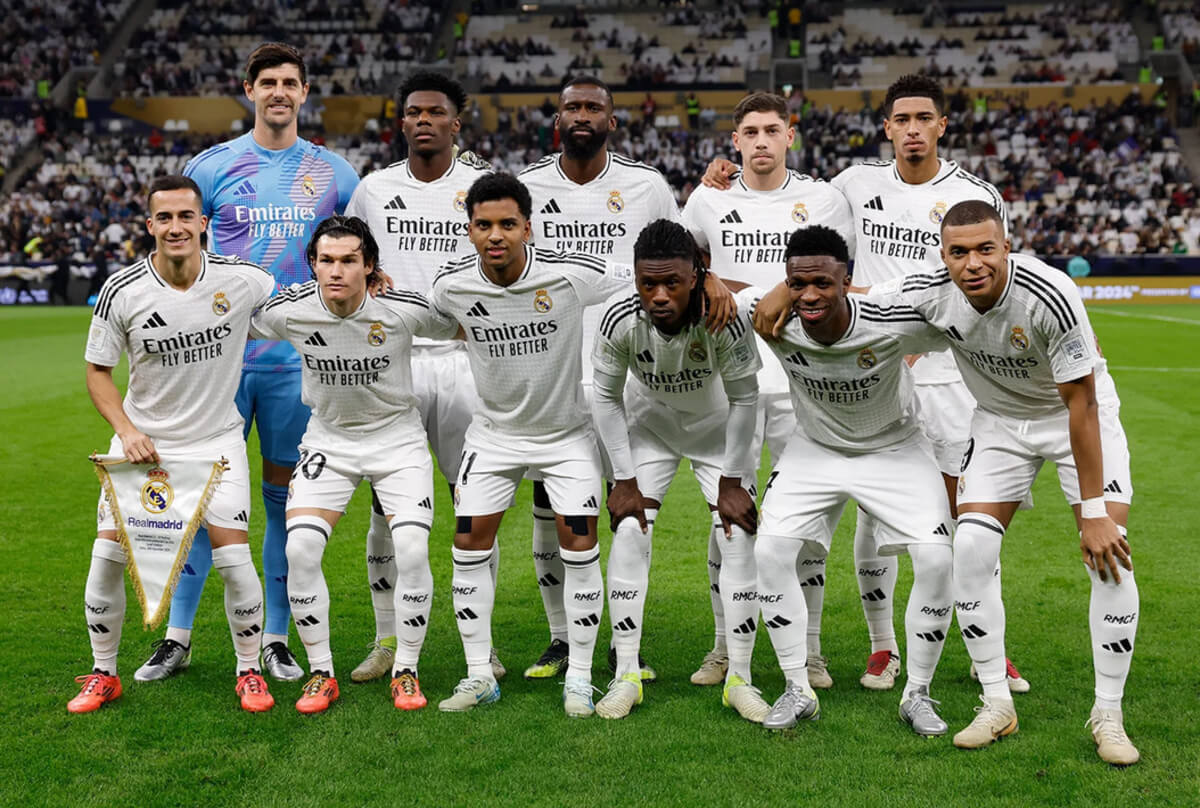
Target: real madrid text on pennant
{"points": [[157, 510]]}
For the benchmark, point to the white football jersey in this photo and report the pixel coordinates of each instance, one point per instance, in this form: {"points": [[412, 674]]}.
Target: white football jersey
{"points": [[357, 370], [685, 372], [419, 226], [746, 233], [185, 348], [602, 218], [525, 340], [1013, 356], [898, 229], [855, 396]]}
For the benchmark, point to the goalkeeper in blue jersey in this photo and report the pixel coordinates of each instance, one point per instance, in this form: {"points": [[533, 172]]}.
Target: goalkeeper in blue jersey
{"points": [[264, 193]]}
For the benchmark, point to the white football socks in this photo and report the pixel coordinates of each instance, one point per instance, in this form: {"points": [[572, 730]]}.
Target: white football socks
{"points": [[381, 575], [474, 599], [583, 601], [243, 601], [784, 612], [413, 596], [930, 609], [1113, 620], [628, 578], [548, 567], [104, 603], [978, 601], [739, 593], [876, 576]]}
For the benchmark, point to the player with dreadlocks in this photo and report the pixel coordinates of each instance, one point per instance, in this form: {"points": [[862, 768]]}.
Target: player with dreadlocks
{"points": [[675, 407]]}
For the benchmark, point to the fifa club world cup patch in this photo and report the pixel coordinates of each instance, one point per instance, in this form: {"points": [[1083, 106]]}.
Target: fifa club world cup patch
{"points": [[1074, 349]]}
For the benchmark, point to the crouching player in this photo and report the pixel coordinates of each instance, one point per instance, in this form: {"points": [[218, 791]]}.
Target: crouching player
{"points": [[675, 407], [857, 438], [180, 401], [1027, 353], [357, 380]]}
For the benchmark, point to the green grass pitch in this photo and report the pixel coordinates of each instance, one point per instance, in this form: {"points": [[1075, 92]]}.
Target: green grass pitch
{"points": [[185, 742]]}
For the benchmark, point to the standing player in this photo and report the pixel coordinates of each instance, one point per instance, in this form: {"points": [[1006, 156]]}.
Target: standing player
{"points": [[180, 403], [1027, 352], [586, 199], [897, 206], [365, 425], [856, 438], [417, 209], [263, 192], [745, 231], [521, 308], [675, 409]]}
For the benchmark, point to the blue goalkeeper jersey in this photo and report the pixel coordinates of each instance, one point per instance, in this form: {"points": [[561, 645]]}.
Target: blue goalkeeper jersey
{"points": [[263, 206]]}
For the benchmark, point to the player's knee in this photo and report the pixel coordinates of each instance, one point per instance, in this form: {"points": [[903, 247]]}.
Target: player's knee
{"points": [[775, 552], [933, 563], [307, 536], [977, 542], [411, 547]]}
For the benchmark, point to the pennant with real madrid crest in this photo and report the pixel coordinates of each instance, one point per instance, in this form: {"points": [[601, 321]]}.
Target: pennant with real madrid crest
{"points": [[157, 509]]}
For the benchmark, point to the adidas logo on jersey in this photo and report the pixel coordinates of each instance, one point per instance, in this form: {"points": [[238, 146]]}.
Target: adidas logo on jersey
{"points": [[396, 204], [551, 207], [797, 359], [733, 217], [874, 204], [477, 310], [246, 189], [155, 321], [316, 340], [645, 357]]}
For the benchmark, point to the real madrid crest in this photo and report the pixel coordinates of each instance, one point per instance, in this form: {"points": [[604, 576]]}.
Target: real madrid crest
{"points": [[1018, 339], [375, 336], [937, 212], [156, 493], [696, 352], [800, 213], [866, 359], [220, 304], [615, 203], [460, 201], [542, 302], [308, 185]]}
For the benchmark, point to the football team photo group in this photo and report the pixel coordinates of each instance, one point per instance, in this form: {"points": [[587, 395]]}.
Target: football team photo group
{"points": [[868, 347]]}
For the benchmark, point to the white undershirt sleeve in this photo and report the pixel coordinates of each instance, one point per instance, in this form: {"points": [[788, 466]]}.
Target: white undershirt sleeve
{"points": [[608, 411], [739, 429]]}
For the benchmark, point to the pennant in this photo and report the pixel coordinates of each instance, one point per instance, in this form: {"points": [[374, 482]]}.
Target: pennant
{"points": [[157, 510]]}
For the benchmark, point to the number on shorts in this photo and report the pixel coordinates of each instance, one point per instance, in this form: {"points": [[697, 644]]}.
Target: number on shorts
{"points": [[311, 464], [967, 455], [468, 461], [770, 482]]}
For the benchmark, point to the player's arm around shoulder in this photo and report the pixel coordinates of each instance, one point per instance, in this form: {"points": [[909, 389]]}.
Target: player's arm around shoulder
{"points": [[418, 315]]}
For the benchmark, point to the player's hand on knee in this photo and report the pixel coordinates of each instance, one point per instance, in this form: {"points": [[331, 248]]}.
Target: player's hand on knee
{"points": [[625, 500], [735, 506], [1104, 549], [138, 448], [718, 173], [720, 306], [773, 311]]}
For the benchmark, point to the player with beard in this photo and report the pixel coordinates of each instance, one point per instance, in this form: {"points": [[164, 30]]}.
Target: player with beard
{"points": [[588, 199], [897, 206], [417, 210]]}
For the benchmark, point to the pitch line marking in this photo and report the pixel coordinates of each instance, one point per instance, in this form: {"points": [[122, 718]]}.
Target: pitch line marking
{"points": [[1159, 317], [1124, 368]]}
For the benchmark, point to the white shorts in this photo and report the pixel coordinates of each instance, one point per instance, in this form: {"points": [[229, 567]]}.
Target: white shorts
{"points": [[944, 411], [775, 423], [1004, 456], [401, 475], [230, 504], [446, 397], [658, 440], [490, 473], [901, 488]]}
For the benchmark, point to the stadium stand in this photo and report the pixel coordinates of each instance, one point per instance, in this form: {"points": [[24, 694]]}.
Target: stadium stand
{"points": [[44, 40]]}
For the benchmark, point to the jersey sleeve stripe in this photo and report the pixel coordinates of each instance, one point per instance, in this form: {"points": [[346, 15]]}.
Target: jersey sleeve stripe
{"points": [[1054, 300], [617, 312], [917, 282], [578, 259], [888, 311], [412, 298], [115, 285], [736, 328], [997, 200]]}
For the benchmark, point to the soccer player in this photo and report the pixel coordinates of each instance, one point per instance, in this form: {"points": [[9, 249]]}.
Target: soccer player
{"points": [[417, 209], [264, 192], [364, 425], [586, 199], [675, 408], [521, 308], [1022, 340], [745, 231], [181, 403], [896, 207], [857, 437]]}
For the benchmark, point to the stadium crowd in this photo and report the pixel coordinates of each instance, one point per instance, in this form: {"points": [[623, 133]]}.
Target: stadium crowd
{"points": [[43, 41]]}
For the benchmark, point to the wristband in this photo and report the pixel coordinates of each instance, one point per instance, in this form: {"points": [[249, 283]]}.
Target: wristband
{"points": [[1093, 508]]}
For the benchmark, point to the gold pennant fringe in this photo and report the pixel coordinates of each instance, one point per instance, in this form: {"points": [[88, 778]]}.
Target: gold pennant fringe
{"points": [[185, 545]]}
